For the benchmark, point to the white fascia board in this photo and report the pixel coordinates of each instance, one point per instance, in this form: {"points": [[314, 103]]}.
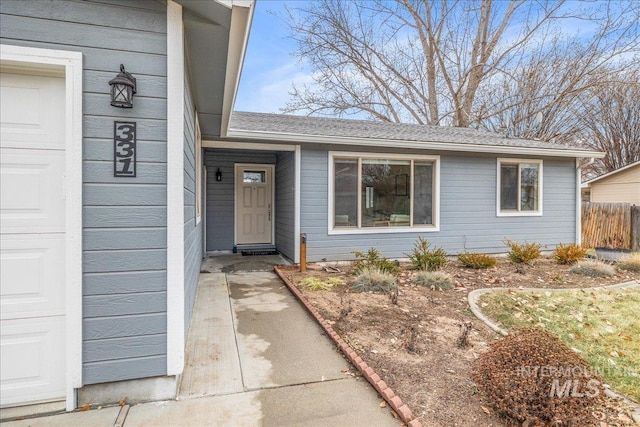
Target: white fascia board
{"points": [[230, 3], [241, 18], [419, 145], [233, 145], [175, 189], [586, 183]]}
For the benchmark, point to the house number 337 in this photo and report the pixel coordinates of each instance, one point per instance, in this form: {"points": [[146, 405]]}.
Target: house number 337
{"points": [[124, 149]]}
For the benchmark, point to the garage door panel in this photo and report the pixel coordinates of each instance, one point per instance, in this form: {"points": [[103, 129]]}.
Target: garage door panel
{"points": [[31, 111], [33, 238], [33, 360], [30, 276], [31, 191]]}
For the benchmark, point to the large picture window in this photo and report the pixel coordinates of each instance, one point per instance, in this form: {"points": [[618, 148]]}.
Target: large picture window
{"points": [[519, 187], [382, 193]]}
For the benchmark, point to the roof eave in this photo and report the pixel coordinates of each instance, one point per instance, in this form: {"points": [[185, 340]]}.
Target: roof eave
{"points": [[241, 20], [608, 174], [420, 145]]}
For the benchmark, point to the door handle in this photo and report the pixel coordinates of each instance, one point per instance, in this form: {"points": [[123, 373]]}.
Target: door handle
{"points": [[269, 211]]}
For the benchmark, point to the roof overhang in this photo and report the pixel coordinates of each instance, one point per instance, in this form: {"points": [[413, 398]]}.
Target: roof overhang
{"points": [[417, 145], [216, 37], [608, 174]]}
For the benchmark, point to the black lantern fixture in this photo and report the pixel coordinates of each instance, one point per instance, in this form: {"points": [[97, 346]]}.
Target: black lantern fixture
{"points": [[218, 175], [123, 87]]}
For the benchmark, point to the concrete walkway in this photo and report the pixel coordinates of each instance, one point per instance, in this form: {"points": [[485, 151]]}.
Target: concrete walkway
{"points": [[254, 358]]}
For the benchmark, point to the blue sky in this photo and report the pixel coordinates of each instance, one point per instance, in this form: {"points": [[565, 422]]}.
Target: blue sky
{"points": [[269, 67]]}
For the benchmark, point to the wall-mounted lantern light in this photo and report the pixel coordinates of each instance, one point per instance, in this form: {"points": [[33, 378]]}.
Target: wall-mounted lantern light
{"points": [[218, 175], [123, 87]]}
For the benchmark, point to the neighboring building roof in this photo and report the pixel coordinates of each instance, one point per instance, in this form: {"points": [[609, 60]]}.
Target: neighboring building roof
{"points": [[361, 132], [608, 174]]}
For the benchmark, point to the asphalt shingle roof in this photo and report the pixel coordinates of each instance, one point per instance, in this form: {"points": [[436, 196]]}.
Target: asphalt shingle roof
{"points": [[346, 128]]}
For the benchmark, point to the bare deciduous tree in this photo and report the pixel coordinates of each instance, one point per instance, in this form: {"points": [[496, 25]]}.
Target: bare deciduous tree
{"points": [[610, 121], [463, 63]]}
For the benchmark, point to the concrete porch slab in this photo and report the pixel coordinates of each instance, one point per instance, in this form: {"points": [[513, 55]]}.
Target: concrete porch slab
{"points": [[229, 263]]}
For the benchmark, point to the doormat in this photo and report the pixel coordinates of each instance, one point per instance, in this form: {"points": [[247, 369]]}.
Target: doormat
{"points": [[258, 252]]}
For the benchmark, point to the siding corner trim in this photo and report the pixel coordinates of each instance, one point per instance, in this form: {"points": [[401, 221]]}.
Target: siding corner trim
{"points": [[175, 186]]}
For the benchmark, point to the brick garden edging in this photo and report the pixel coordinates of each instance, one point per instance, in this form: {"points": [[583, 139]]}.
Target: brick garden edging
{"points": [[367, 371]]}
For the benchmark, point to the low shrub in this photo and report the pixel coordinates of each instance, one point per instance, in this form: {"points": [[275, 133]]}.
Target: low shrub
{"points": [[479, 261], [569, 254], [335, 281], [423, 258], [437, 279], [630, 262], [316, 284], [533, 378], [522, 253], [592, 268], [373, 259], [374, 279]]}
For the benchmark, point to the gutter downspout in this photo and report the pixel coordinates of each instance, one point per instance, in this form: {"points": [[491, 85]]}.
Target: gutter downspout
{"points": [[579, 198]]}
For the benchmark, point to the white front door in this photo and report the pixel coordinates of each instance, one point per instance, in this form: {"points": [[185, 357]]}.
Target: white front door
{"points": [[32, 236], [254, 204]]}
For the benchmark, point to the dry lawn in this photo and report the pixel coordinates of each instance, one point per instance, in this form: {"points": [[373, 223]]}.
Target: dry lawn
{"points": [[603, 326]]}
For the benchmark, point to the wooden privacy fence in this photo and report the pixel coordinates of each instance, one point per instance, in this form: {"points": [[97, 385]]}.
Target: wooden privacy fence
{"points": [[611, 225]]}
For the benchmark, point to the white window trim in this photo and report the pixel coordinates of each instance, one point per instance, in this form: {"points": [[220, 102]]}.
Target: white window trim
{"points": [[70, 63], [519, 161], [331, 230]]}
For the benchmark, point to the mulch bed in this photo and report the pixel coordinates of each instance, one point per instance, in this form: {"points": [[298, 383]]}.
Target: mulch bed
{"points": [[411, 345]]}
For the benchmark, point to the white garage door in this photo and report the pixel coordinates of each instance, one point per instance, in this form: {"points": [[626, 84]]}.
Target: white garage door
{"points": [[32, 248]]}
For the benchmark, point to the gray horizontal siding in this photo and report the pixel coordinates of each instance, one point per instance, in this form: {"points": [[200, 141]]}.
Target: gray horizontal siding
{"points": [[192, 228], [220, 196], [116, 216], [124, 369], [147, 87], [82, 35], [124, 304], [124, 348], [124, 219], [102, 172], [120, 282], [124, 326], [468, 218], [95, 126], [145, 107], [132, 194], [102, 150], [285, 204], [103, 59], [124, 260], [98, 15], [125, 238]]}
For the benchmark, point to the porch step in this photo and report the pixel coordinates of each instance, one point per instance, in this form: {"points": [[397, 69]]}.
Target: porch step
{"points": [[247, 248]]}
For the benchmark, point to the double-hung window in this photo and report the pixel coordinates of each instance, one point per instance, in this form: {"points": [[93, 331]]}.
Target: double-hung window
{"points": [[519, 187], [372, 193]]}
